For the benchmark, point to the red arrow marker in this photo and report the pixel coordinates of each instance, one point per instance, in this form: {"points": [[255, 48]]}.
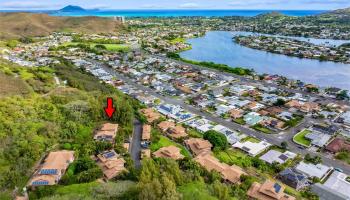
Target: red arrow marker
{"points": [[109, 110]]}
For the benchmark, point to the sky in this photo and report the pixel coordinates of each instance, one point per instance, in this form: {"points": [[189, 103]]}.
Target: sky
{"points": [[176, 4]]}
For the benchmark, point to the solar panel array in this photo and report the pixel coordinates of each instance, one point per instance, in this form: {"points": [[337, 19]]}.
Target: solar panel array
{"points": [[109, 154], [41, 182], [48, 171]]}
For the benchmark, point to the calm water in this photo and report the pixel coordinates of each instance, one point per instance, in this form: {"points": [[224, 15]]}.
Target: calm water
{"points": [[218, 47], [316, 41], [178, 13]]}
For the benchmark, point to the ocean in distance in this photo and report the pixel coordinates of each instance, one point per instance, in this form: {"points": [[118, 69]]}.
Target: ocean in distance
{"points": [[175, 13]]}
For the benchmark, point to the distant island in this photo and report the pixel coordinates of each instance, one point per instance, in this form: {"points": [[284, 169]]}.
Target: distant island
{"points": [[71, 8]]}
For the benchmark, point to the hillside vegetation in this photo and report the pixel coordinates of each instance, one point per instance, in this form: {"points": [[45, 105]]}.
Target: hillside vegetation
{"points": [[38, 116], [17, 25]]}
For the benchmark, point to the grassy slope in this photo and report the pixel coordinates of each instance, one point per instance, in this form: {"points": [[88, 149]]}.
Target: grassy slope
{"points": [[31, 24], [196, 191], [12, 86]]}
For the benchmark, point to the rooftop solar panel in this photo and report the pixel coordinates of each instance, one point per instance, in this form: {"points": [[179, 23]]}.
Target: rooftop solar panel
{"points": [[109, 154], [283, 157], [277, 187]]}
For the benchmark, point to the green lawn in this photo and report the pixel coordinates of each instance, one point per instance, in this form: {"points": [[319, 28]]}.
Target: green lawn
{"points": [[82, 189], [233, 157], [239, 121], [261, 128], [164, 142], [299, 138], [178, 40], [251, 139], [109, 47], [193, 133], [196, 191]]}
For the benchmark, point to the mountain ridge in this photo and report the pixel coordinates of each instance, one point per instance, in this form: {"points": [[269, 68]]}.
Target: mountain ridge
{"points": [[72, 8]]}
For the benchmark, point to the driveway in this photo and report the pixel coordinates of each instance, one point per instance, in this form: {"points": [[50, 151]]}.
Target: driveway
{"points": [[135, 147]]}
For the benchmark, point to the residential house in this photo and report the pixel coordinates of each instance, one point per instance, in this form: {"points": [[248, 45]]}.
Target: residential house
{"points": [[177, 132], [165, 125], [254, 106], [236, 113], [110, 163], [311, 170], [252, 148], [337, 145], [198, 145], [344, 119], [269, 190], [327, 193], [231, 174], [174, 131], [172, 152], [308, 107], [53, 168], [106, 133], [278, 157], [318, 139], [252, 118], [150, 114], [338, 182], [293, 179], [274, 123]]}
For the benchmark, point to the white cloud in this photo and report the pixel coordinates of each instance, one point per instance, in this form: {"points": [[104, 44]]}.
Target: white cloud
{"points": [[27, 5], [189, 5]]}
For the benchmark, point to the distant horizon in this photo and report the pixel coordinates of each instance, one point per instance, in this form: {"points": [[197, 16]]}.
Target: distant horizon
{"points": [[175, 9], [176, 5]]}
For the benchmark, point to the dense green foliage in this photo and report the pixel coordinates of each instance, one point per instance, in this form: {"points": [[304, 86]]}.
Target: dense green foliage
{"points": [[218, 140], [52, 118]]}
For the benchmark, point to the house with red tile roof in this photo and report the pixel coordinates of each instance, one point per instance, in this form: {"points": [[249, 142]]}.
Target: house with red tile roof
{"points": [[269, 190], [337, 145], [53, 168]]}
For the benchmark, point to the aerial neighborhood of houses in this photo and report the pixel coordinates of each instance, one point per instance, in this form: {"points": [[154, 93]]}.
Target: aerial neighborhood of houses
{"points": [[262, 120]]}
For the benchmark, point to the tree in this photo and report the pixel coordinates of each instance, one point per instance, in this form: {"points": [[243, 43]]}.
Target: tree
{"points": [[315, 160], [100, 46], [284, 145], [279, 102], [343, 95], [217, 139], [168, 188], [83, 164], [220, 190]]}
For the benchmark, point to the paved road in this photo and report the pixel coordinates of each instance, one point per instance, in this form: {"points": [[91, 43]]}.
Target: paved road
{"points": [[135, 146], [271, 138], [248, 80]]}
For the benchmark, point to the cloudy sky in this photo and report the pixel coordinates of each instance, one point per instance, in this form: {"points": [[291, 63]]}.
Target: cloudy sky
{"points": [[177, 4]]}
